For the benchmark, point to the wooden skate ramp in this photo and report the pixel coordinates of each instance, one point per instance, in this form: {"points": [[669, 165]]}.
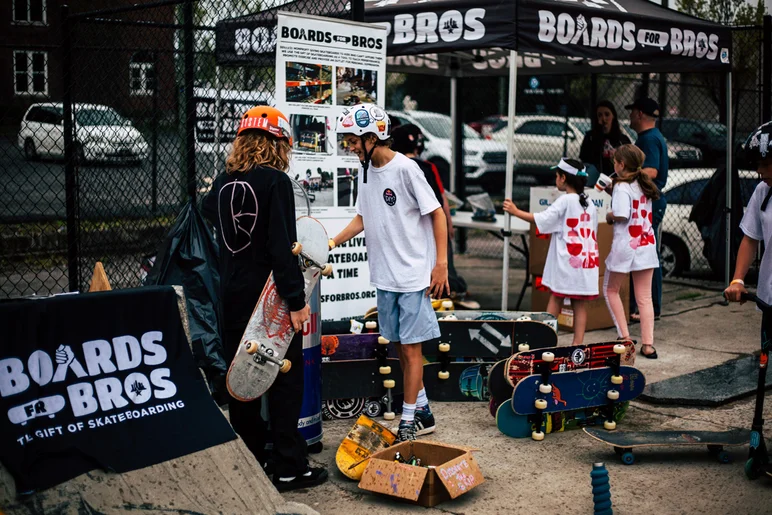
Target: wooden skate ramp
{"points": [[222, 479]]}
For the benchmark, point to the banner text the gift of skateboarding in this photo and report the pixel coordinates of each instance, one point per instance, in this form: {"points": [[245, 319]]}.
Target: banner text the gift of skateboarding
{"points": [[101, 380]]}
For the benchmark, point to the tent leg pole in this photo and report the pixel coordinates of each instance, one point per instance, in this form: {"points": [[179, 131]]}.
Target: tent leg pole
{"points": [[508, 176], [729, 139]]}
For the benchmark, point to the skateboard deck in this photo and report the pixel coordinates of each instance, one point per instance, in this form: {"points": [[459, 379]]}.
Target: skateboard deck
{"points": [[356, 325], [499, 388], [535, 316], [521, 426], [343, 347], [347, 379], [624, 442], [269, 330], [467, 381], [592, 355], [574, 390], [364, 439], [343, 409]]}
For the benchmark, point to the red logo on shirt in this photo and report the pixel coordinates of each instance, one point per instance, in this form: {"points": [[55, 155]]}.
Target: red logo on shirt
{"points": [[581, 242]]}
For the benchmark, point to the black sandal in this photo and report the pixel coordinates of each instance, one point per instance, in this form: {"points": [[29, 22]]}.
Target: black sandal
{"points": [[653, 355]]}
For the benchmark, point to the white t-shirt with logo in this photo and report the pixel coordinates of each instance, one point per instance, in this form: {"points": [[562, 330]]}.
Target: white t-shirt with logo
{"points": [[572, 259], [394, 205], [757, 224], [634, 246]]}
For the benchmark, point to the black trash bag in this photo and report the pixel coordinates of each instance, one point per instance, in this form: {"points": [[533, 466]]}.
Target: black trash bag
{"points": [[189, 257], [709, 213]]}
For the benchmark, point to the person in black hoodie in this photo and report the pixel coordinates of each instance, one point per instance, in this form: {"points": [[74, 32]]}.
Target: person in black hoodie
{"points": [[409, 140], [252, 208], [600, 141]]}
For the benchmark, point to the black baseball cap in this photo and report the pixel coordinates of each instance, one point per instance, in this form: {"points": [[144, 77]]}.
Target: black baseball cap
{"points": [[645, 105]]}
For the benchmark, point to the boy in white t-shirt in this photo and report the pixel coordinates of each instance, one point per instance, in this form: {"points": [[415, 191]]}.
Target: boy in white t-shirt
{"points": [[571, 269], [757, 221], [406, 231]]}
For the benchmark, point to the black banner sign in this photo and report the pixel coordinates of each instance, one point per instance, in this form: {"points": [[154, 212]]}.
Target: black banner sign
{"points": [[102, 380]]}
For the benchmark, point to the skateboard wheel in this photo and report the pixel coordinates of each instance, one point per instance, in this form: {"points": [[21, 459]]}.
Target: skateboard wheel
{"points": [[723, 457], [443, 374], [297, 248], [371, 324], [444, 347], [447, 305], [524, 318], [389, 383], [612, 395], [616, 380], [449, 317], [327, 269], [540, 404], [389, 415], [545, 388], [382, 340], [628, 458], [538, 436], [385, 370], [251, 347], [549, 357], [523, 347], [331, 243], [619, 348], [609, 425], [285, 366]]}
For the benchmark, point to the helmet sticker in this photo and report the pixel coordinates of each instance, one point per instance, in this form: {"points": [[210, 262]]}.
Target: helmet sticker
{"points": [[764, 144], [381, 126], [362, 118], [348, 121], [377, 113]]}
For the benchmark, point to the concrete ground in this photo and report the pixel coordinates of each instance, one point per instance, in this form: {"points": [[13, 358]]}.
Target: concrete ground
{"points": [[553, 476]]}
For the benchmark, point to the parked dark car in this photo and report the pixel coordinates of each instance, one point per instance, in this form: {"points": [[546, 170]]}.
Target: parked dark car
{"points": [[709, 137]]}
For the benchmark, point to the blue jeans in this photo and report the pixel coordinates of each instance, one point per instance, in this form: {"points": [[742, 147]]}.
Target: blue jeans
{"points": [[658, 214]]}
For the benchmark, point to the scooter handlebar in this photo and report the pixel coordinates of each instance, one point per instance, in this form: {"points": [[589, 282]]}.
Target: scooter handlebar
{"points": [[753, 298]]}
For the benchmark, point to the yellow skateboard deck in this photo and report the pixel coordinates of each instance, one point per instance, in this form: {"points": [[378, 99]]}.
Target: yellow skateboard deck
{"points": [[365, 438], [99, 280]]}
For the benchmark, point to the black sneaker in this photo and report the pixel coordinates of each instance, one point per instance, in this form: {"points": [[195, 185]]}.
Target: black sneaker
{"points": [[313, 476], [407, 431], [424, 421]]}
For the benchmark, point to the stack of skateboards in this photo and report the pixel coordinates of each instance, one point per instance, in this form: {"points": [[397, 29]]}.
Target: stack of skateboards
{"points": [[534, 392], [361, 372]]}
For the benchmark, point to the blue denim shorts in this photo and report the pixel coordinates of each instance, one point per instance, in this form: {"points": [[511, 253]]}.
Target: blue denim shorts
{"points": [[406, 317]]}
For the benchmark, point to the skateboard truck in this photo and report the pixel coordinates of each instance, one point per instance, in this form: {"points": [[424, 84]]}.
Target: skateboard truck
{"points": [[384, 369], [252, 347], [297, 250], [616, 379], [444, 349]]}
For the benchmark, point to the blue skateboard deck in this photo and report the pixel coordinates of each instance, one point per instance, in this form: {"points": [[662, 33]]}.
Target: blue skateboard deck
{"points": [[576, 390]]}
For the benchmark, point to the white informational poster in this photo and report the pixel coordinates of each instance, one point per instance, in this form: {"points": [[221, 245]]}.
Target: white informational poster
{"points": [[322, 67]]}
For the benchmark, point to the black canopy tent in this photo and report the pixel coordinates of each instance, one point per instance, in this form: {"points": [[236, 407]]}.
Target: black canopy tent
{"points": [[482, 37]]}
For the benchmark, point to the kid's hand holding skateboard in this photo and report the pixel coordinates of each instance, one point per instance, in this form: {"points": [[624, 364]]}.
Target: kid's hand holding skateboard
{"points": [[439, 285], [299, 318]]}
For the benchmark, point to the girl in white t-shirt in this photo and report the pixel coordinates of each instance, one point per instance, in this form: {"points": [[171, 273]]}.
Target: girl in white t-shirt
{"points": [[571, 269], [633, 249]]}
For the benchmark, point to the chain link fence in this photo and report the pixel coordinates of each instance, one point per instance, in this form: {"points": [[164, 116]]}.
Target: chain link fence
{"points": [[132, 165]]}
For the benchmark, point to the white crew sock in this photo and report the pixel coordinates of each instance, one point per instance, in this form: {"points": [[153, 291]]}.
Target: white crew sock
{"points": [[408, 412]]}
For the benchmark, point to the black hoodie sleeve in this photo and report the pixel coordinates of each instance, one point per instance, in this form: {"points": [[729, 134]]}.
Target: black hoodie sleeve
{"points": [[282, 233], [585, 154]]}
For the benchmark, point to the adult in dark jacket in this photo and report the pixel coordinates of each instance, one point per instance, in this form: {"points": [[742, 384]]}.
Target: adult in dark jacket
{"points": [[600, 142], [252, 207]]}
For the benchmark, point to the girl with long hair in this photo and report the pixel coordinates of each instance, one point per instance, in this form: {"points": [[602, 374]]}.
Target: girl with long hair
{"points": [[633, 249]]}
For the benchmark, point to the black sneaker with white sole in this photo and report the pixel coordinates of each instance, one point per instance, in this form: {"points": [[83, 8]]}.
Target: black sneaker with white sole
{"points": [[312, 477], [424, 421]]}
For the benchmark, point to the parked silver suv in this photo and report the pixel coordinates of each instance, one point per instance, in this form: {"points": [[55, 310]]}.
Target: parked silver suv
{"points": [[101, 134]]}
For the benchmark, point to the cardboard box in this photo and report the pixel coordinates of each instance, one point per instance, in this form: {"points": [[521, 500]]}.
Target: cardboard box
{"points": [[543, 196], [454, 473], [598, 316]]}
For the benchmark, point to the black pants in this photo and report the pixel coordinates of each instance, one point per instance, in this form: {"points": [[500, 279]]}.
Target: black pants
{"points": [[285, 398]]}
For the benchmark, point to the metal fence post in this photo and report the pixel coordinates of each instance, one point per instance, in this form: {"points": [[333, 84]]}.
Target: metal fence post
{"points": [[358, 10], [190, 105], [766, 78], [70, 173]]}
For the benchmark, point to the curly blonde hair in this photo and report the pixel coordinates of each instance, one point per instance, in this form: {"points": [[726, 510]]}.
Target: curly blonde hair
{"points": [[257, 148]]}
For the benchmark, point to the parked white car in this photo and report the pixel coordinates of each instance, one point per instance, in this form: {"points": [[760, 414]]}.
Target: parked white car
{"points": [[541, 140], [101, 134], [484, 161], [681, 239]]}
